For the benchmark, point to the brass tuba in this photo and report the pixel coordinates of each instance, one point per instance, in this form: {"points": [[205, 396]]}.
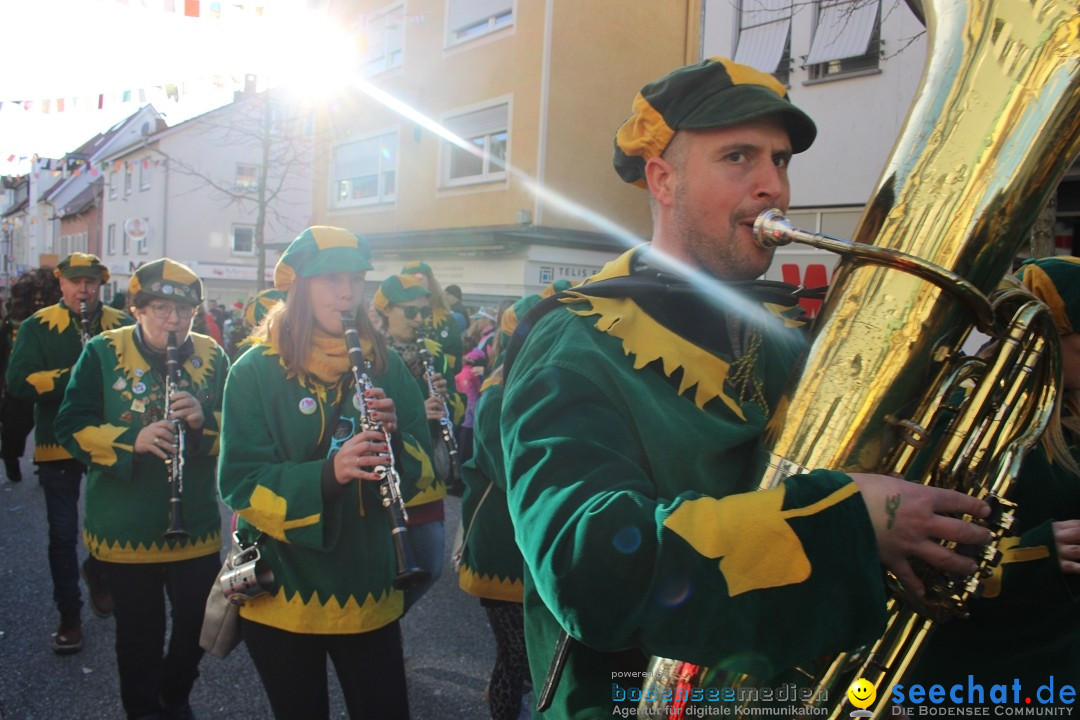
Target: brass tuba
{"points": [[995, 125]]}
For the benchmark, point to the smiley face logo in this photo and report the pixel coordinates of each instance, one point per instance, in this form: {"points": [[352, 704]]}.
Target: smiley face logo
{"points": [[862, 693]]}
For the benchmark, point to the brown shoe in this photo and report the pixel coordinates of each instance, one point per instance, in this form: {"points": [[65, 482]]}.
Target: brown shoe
{"points": [[68, 639], [98, 595]]}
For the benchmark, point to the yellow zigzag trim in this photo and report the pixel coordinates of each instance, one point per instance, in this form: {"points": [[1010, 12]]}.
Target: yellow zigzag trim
{"points": [[54, 317], [426, 481], [648, 340], [157, 551], [330, 618], [757, 547], [489, 586], [267, 511], [50, 451], [128, 357], [98, 442], [45, 380]]}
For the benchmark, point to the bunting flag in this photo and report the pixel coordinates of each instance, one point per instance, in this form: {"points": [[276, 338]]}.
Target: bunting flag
{"points": [[191, 8]]}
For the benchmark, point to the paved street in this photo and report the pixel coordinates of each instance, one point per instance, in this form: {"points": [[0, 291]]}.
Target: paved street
{"points": [[448, 645]]}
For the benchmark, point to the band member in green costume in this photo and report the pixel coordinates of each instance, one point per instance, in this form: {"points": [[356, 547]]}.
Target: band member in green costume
{"points": [[114, 419], [48, 344], [631, 425], [299, 469]]}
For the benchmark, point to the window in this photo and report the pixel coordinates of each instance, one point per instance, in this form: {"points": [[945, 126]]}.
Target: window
{"points": [[247, 177], [486, 132], [110, 240], [385, 33], [846, 39], [112, 185], [127, 244], [469, 19], [243, 239], [128, 172], [765, 37], [365, 172], [144, 174]]}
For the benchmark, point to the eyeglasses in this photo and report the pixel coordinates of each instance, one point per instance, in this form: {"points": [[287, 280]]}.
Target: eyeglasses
{"points": [[411, 311], [162, 311]]}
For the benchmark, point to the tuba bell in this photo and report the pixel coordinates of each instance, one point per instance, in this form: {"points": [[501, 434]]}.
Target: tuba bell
{"points": [[995, 125]]}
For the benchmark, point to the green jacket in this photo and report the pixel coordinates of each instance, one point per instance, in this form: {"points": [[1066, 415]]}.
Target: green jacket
{"points": [[630, 451], [331, 556], [445, 331], [455, 404], [491, 564], [1026, 626], [113, 394], [46, 348]]}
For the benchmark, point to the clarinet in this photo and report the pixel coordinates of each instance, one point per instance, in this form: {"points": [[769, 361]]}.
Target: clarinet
{"points": [[446, 426], [84, 323], [409, 572], [175, 464]]}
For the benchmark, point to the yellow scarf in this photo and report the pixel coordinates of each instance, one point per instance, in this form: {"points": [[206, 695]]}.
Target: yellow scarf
{"points": [[327, 358]]}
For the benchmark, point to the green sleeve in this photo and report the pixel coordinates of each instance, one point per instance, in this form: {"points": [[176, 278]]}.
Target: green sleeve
{"points": [[211, 399], [81, 426], [487, 454], [708, 580], [268, 472], [414, 464], [31, 375]]}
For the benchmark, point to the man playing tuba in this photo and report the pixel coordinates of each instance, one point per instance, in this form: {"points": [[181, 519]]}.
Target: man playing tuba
{"points": [[632, 425]]}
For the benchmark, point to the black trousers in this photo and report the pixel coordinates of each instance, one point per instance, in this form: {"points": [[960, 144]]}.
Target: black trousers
{"points": [[292, 667], [149, 679], [16, 422]]}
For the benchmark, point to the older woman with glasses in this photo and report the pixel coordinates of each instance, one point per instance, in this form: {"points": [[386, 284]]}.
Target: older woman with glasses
{"points": [[114, 420], [401, 306]]}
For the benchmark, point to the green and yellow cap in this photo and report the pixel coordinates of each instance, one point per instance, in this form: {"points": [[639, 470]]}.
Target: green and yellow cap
{"points": [[81, 265], [168, 280], [258, 306], [416, 266], [320, 250], [398, 289], [713, 93], [1056, 281]]}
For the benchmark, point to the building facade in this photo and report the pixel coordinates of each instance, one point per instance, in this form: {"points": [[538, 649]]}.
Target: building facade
{"points": [[195, 192], [481, 137]]}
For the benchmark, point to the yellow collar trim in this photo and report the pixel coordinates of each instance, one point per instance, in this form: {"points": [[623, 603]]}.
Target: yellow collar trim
{"points": [[647, 340]]}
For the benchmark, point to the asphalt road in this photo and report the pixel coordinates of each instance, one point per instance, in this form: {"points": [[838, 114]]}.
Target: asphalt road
{"points": [[449, 648]]}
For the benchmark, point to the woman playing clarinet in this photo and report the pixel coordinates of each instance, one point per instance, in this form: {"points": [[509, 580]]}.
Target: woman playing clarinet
{"points": [[141, 412], [307, 478]]}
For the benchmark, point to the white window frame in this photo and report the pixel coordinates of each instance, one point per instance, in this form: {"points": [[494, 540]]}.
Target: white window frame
{"points": [[483, 122], [764, 38], [232, 240], [243, 185], [383, 196], [110, 240], [128, 178], [144, 174], [385, 33], [467, 20], [847, 38], [125, 242], [112, 184]]}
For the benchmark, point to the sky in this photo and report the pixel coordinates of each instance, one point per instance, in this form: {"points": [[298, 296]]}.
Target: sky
{"points": [[100, 60]]}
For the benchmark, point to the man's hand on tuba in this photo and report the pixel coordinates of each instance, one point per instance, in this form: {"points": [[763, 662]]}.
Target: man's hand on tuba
{"points": [[910, 518]]}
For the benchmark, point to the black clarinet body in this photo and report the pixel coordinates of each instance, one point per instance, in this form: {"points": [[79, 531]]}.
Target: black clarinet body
{"points": [[409, 573], [175, 463], [84, 323], [446, 425]]}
